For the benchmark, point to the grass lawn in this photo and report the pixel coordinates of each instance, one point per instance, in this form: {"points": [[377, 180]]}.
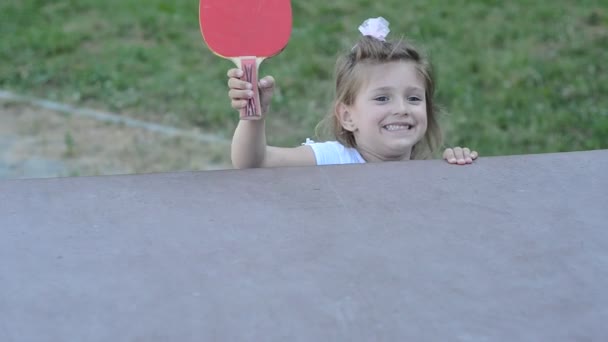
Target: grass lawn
{"points": [[516, 77]]}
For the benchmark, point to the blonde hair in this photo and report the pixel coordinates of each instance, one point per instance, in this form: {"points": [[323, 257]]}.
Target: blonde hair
{"points": [[349, 78]]}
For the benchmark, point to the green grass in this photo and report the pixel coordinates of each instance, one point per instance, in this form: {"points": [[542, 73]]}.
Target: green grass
{"points": [[520, 77]]}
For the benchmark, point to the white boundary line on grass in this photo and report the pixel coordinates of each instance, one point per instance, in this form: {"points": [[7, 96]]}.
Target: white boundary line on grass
{"points": [[111, 117]]}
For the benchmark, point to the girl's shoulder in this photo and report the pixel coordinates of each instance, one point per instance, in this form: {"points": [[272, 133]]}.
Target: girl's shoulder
{"points": [[333, 152]]}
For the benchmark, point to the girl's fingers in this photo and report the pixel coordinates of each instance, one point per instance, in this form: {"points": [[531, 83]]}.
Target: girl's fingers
{"points": [[236, 73], [266, 82], [235, 83], [448, 155], [240, 91], [467, 155], [240, 94], [459, 154], [239, 104]]}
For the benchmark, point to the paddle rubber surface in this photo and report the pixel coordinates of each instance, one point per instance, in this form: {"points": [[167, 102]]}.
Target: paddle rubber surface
{"points": [[238, 28]]}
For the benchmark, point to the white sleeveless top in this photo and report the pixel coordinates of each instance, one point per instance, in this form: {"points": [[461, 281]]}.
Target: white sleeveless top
{"points": [[332, 152]]}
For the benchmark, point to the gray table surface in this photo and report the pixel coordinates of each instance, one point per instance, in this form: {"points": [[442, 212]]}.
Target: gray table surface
{"points": [[508, 249]]}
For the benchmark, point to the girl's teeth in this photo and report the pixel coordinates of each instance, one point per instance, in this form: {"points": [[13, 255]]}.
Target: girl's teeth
{"points": [[397, 127]]}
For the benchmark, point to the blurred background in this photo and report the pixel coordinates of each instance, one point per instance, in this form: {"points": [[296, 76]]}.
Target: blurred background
{"points": [[515, 77]]}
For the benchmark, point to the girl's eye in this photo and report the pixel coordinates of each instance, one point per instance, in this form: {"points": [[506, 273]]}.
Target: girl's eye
{"points": [[382, 98], [414, 98]]}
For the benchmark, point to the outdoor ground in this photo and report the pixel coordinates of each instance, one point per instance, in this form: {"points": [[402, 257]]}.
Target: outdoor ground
{"points": [[37, 142]]}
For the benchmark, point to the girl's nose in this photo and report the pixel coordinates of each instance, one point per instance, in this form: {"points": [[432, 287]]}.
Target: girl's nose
{"points": [[402, 108]]}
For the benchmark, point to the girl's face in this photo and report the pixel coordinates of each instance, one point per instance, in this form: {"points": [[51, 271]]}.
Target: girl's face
{"points": [[389, 114]]}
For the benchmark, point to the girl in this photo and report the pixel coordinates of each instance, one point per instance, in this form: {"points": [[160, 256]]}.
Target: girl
{"points": [[383, 111]]}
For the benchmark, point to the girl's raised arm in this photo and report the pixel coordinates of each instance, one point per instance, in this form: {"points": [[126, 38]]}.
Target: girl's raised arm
{"points": [[249, 147]]}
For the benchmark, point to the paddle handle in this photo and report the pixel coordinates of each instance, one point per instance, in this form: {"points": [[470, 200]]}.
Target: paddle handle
{"points": [[253, 109]]}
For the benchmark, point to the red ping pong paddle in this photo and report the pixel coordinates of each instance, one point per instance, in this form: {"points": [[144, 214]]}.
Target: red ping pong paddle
{"points": [[246, 32]]}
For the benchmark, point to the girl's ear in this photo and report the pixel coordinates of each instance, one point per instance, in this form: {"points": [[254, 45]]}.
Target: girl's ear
{"points": [[344, 116]]}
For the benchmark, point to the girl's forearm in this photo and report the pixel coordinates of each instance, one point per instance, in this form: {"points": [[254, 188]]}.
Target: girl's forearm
{"points": [[249, 144]]}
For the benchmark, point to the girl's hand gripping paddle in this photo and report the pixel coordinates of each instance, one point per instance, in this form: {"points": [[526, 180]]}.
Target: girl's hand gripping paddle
{"points": [[246, 32]]}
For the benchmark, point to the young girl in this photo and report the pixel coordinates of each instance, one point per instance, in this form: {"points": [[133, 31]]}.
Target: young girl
{"points": [[383, 111]]}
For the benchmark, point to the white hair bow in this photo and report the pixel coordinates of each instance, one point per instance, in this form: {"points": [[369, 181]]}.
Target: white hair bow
{"points": [[375, 27]]}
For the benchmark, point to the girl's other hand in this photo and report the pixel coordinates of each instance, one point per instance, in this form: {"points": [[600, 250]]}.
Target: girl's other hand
{"points": [[240, 91], [459, 156]]}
